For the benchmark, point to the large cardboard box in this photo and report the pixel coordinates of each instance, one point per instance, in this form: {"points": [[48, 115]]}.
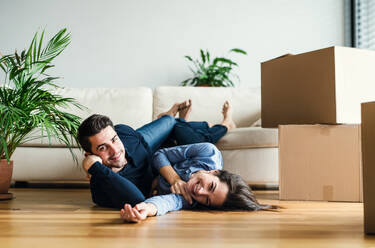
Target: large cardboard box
{"points": [[326, 86], [320, 162], [368, 159]]}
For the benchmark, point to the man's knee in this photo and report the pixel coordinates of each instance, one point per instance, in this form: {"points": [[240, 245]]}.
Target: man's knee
{"points": [[169, 121], [168, 118]]}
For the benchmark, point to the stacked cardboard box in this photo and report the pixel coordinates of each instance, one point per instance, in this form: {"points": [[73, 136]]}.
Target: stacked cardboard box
{"points": [[320, 162], [368, 158], [303, 93]]}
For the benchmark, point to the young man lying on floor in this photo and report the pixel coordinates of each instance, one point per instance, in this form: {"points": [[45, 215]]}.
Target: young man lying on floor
{"points": [[191, 175], [118, 158]]}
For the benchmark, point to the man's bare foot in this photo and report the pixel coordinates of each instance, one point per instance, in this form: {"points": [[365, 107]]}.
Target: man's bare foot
{"points": [[185, 109], [172, 111], [227, 114]]}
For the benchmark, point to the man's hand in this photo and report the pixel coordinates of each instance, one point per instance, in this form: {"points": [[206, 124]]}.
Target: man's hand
{"points": [[88, 161], [140, 212], [179, 187]]}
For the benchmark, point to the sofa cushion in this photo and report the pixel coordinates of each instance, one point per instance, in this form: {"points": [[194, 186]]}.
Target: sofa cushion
{"points": [[131, 106], [249, 137], [208, 102]]}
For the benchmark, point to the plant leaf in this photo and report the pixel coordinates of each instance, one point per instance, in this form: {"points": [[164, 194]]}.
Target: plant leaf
{"points": [[237, 50], [27, 100], [203, 57], [189, 58], [40, 45]]}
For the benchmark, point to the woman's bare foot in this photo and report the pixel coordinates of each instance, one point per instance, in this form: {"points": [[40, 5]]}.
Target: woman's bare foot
{"points": [[227, 114], [172, 111], [185, 109]]}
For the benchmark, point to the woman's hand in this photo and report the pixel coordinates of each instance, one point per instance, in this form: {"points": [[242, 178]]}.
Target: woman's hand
{"points": [[179, 187], [138, 213]]}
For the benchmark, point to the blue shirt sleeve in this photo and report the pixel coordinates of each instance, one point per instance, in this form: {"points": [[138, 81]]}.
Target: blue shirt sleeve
{"points": [[178, 154], [168, 203]]}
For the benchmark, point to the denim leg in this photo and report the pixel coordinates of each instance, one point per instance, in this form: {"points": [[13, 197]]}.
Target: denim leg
{"points": [[217, 132], [199, 125], [157, 131], [197, 132], [185, 134]]}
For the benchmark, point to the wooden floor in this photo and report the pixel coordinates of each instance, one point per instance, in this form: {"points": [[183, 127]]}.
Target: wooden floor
{"points": [[67, 218]]}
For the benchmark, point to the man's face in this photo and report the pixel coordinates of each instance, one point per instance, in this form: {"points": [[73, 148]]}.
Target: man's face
{"points": [[108, 146], [206, 188]]}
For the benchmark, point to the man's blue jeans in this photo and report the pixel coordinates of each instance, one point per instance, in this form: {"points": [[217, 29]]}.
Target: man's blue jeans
{"points": [[156, 133]]}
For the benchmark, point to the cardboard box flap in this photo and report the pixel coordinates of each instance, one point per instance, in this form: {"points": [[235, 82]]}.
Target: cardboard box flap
{"points": [[290, 54], [279, 57]]}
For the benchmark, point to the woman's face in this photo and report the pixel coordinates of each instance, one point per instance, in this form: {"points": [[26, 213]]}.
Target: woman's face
{"points": [[206, 188]]}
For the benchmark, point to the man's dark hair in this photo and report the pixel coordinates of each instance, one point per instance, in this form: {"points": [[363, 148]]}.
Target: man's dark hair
{"points": [[240, 195], [91, 126]]}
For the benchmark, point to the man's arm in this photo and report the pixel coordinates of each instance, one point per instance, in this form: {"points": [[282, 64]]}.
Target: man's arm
{"points": [[108, 188], [89, 161]]}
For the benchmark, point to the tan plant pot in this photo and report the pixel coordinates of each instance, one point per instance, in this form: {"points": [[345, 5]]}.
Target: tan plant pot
{"points": [[6, 170]]}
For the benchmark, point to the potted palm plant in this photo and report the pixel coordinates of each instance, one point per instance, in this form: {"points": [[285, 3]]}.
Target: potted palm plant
{"points": [[28, 102], [216, 72]]}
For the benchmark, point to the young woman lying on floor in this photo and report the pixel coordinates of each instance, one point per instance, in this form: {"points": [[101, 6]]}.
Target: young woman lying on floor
{"points": [[192, 176]]}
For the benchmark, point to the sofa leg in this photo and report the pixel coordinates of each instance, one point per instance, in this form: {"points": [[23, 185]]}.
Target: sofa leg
{"points": [[21, 184]]}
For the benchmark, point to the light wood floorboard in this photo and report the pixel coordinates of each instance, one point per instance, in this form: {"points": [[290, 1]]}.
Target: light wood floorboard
{"points": [[67, 218]]}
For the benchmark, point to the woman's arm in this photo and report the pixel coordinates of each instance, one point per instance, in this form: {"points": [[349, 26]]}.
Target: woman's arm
{"points": [[177, 154], [157, 205], [174, 155], [140, 212], [177, 184]]}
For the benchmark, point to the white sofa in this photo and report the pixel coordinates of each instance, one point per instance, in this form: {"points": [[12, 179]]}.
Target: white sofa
{"points": [[249, 150]]}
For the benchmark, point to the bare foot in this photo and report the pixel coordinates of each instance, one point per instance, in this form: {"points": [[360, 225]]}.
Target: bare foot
{"points": [[227, 114], [185, 109], [172, 111]]}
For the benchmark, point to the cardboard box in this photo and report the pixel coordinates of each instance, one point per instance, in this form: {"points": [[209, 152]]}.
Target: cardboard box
{"points": [[320, 162], [368, 159], [326, 86]]}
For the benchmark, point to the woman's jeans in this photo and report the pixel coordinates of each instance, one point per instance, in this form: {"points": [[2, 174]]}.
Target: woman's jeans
{"points": [[193, 132], [181, 132]]}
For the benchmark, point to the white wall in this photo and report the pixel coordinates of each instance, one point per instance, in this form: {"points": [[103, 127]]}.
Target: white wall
{"points": [[126, 43]]}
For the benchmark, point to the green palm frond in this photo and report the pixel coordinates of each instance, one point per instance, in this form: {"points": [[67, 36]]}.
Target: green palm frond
{"points": [[28, 101]]}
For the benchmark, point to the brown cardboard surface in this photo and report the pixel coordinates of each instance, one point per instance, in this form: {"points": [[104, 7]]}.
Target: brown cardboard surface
{"points": [[368, 159], [320, 162], [323, 86]]}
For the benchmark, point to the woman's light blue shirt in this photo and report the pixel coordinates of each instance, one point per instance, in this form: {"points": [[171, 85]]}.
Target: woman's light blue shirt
{"points": [[185, 160]]}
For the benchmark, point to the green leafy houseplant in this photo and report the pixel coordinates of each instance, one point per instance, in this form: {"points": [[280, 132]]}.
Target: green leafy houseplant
{"points": [[28, 101], [215, 72]]}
